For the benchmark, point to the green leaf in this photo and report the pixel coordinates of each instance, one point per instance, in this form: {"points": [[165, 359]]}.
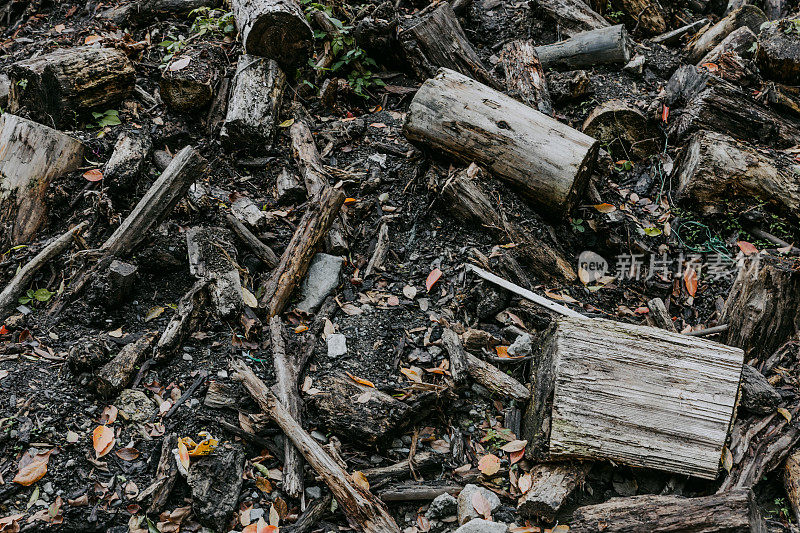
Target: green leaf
{"points": [[43, 295], [652, 231]]}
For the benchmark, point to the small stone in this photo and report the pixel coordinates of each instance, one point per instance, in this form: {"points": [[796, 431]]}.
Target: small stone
{"points": [[635, 65], [313, 493], [134, 405], [466, 511], [319, 436], [479, 525], [337, 345], [187, 357], [443, 505], [321, 280], [161, 159], [521, 347], [47, 488], [222, 374]]}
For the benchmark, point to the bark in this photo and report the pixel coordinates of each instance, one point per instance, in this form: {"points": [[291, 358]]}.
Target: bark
{"points": [[739, 41], [418, 492], [459, 364], [186, 167], [436, 40], [620, 391], [31, 157], [552, 485], [191, 88], [779, 53], [381, 475], [190, 311], [644, 15], [313, 514], [603, 46], [624, 130], [747, 15], [363, 510], [658, 315], [733, 512], [276, 29], [212, 257], [254, 106], [791, 481], [296, 258], [775, 9], [496, 380], [782, 98], [62, 84], [306, 155], [166, 473], [127, 163], [381, 249], [758, 395], [572, 16], [716, 173], [763, 306], [115, 375], [525, 78], [139, 12], [549, 161]]}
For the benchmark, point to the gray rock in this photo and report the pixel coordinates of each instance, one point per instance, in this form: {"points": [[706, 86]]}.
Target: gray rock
{"points": [[215, 481], [322, 279], [337, 345], [635, 65], [313, 493], [134, 405], [479, 525], [288, 188], [466, 511], [443, 505], [521, 346], [161, 159]]}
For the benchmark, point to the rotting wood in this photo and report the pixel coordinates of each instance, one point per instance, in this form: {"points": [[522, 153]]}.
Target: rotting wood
{"points": [[364, 511], [596, 47], [623, 129], [739, 41], [620, 391], [379, 476], [212, 256], [658, 315], [418, 492], [572, 16], [139, 12], [674, 36], [60, 85], [127, 163], [758, 395], [525, 79], [305, 153], [190, 308], [313, 513], [18, 284], [459, 364], [254, 105], [791, 481], [32, 156], [166, 473], [276, 29], [732, 512], [191, 87], [381, 248], [549, 161], [296, 258], [186, 167], [747, 15], [496, 380], [115, 375], [552, 483], [779, 52], [261, 250], [646, 16], [436, 40]]}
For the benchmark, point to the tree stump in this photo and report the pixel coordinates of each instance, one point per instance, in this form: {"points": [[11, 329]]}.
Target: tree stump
{"points": [[54, 88], [276, 29], [597, 47], [779, 52], [625, 130], [187, 87]]}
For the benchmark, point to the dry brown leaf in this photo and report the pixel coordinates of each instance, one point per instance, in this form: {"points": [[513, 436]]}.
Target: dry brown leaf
{"points": [[31, 473], [128, 454], [489, 464], [525, 483], [514, 446], [482, 505], [361, 381], [785, 413], [360, 480], [102, 440], [433, 277]]}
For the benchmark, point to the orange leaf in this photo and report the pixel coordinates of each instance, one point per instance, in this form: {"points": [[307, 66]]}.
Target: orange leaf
{"points": [[302, 328], [128, 454], [433, 277], [711, 67], [31, 473], [348, 201], [360, 480], [93, 175], [515, 457], [3, 330], [362, 381], [747, 248], [690, 280], [103, 440], [92, 39], [605, 208], [489, 464], [502, 351]]}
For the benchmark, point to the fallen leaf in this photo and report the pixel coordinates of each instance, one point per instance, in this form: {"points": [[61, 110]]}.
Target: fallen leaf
{"points": [[117, 333], [360, 480], [377, 125], [302, 328], [286, 123], [31, 473], [109, 415], [489, 464], [482, 505], [393, 301], [785, 413], [274, 517], [249, 299], [180, 63], [690, 280], [361, 381], [605, 208], [412, 374], [183, 455], [433, 277], [154, 313], [93, 175], [727, 459], [102, 440], [502, 352], [514, 446], [91, 39], [263, 484], [128, 454], [515, 457], [747, 248], [525, 483]]}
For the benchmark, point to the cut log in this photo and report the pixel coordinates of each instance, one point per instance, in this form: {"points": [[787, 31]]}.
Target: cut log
{"points": [[644, 15], [190, 309], [597, 47], [459, 364], [436, 40], [633, 394], [261, 250], [139, 12], [624, 130], [572, 16], [31, 157], [715, 172], [19, 283], [127, 163], [758, 395], [496, 380], [549, 161], [115, 375], [294, 262], [763, 306], [739, 41], [276, 29], [791, 481], [363, 510], [779, 52], [190, 79], [254, 105], [55, 87], [186, 167], [733, 512], [747, 15], [166, 473], [674, 36], [525, 78], [552, 485], [212, 257]]}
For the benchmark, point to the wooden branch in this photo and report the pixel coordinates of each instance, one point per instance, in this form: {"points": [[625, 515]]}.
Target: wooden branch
{"points": [[658, 315], [791, 481], [363, 510], [381, 248], [305, 154], [261, 250], [674, 36], [496, 380], [166, 473], [19, 283], [276, 29], [525, 79], [418, 492], [190, 308], [747, 15], [295, 259], [186, 167], [212, 257], [381, 475], [597, 47], [459, 364], [115, 375], [313, 513]]}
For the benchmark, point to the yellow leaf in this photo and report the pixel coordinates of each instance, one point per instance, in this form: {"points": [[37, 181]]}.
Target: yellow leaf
{"points": [[489, 464], [785, 413], [361, 381], [605, 208], [286, 123], [412, 374], [102, 440]]}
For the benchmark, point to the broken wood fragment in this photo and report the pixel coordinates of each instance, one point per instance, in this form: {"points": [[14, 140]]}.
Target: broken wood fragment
{"points": [[791, 481], [380, 475], [658, 315], [418, 492], [779, 52], [602, 46], [190, 79], [115, 375], [212, 257], [190, 308], [674, 36], [647, 16], [758, 395], [166, 473], [624, 130], [552, 485], [127, 163], [140, 12], [261, 250], [739, 41], [305, 153], [31, 157], [459, 364], [549, 161], [276, 29], [496, 380], [572, 16], [747, 15], [525, 79], [363, 510]]}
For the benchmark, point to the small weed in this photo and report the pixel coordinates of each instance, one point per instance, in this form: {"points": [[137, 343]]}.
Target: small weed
{"points": [[39, 295], [23, 84], [107, 118], [173, 45], [212, 21], [577, 225]]}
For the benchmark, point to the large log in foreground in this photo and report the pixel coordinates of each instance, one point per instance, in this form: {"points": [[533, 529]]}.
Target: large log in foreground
{"points": [[276, 29], [633, 394], [55, 86], [548, 160], [31, 157], [731, 512], [587, 49]]}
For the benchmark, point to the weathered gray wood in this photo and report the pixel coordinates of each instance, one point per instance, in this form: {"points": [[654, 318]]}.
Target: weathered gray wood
{"points": [[276, 29], [791, 481], [548, 160], [115, 375], [596, 47], [572, 16], [305, 153], [747, 15], [31, 157], [261, 250], [459, 364], [212, 257], [127, 162], [186, 167], [634, 394], [715, 170], [190, 308], [138, 12], [254, 105], [739, 41], [658, 315], [758, 395], [552, 485], [496, 380], [779, 52], [732, 512], [775, 9], [525, 78], [68, 81], [166, 473], [674, 36], [436, 40]]}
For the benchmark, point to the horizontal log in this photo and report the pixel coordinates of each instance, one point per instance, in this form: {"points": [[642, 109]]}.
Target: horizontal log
{"points": [[572, 16], [597, 47], [747, 15]]}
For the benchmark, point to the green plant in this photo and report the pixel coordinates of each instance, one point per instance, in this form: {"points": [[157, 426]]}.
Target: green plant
{"points": [[107, 118], [213, 21], [623, 165], [23, 83], [613, 15], [577, 225], [173, 45], [39, 295]]}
